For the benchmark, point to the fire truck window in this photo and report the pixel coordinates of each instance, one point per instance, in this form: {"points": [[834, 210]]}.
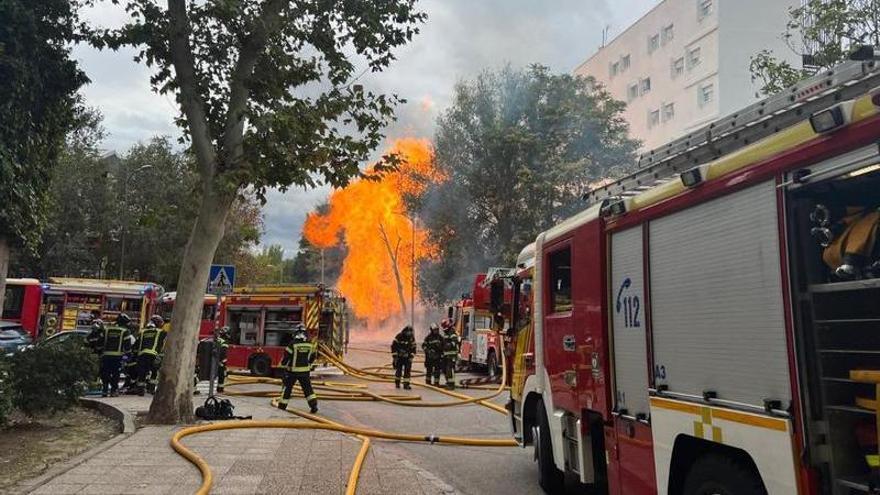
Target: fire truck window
{"points": [[466, 325], [132, 305], [560, 280], [13, 302], [207, 312], [165, 310], [113, 304]]}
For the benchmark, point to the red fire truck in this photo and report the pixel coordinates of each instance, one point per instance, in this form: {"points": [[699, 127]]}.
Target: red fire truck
{"points": [[262, 318], [710, 323], [472, 319], [22, 303], [209, 312]]}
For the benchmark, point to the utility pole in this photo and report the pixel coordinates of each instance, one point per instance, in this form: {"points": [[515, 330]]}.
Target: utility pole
{"points": [[124, 220], [412, 290], [322, 266]]}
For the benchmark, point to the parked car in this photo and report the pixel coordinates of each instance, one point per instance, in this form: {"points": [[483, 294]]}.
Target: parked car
{"points": [[79, 335], [13, 338]]}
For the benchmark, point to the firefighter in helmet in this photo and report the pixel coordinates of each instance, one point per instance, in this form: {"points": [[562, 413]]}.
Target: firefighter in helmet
{"points": [[149, 348], [129, 361], [114, 343], [222, 340], [403, 348], [451, 344], [297, 363], [95, 338], [433, 348]]}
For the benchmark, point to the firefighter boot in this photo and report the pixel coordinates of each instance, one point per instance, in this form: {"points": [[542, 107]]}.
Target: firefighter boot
{"points": [[396, 383], [406, 386], [282, 406]]}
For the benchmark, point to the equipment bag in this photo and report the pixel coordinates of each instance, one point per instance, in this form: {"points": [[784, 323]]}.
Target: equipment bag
{"points": [[217, 409]]}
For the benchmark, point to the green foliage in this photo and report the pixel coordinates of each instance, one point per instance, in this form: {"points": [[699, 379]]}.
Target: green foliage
{"points": [[49, 378], [519, 147], [823, 32], [5, 391], [38, 100]]}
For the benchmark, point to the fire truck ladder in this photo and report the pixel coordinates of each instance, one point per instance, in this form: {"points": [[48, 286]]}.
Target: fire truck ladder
{"points": [[757, 121]]}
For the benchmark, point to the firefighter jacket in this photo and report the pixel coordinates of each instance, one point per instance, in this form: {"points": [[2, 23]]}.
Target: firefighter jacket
{"points": [[298, 357], [404, 346], [433, 346], [222, 348], [115, 341], [151, 341], [451, 345]]}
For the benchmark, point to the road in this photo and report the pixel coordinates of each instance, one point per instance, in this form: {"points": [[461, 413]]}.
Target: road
{"points": [[459, 469]]}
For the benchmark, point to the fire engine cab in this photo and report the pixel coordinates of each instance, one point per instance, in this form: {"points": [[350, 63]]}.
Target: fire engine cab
{"points": [[262, 320], [472, 319], [710, 323]]}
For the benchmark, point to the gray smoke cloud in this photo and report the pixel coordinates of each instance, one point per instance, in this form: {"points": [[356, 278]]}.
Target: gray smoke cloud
{"points": [[460, 39]]}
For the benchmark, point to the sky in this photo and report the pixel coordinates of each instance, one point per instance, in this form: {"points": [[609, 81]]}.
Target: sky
{"points": [[460, 39]]}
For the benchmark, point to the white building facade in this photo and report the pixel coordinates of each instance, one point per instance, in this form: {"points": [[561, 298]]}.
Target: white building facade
{"points": [[686, 63]]}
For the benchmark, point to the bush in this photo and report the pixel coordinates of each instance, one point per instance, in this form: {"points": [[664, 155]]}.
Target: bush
{"points": [[5, 391], [49, 378]]}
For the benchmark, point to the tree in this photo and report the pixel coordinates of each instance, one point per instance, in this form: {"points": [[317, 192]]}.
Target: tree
{"points": [[823, 33], [268, 99], [38, 102], [311, 261], [519, 148]]}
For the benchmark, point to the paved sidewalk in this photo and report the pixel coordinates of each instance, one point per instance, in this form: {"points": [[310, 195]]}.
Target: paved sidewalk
{"points": [[250, 461]]}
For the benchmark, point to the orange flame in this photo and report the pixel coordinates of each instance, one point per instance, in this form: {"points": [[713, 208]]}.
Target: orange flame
{"points": [[377, 229]]}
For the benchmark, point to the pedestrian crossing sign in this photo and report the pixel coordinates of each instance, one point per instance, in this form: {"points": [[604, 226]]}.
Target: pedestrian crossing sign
{"points": [[221, 279]]}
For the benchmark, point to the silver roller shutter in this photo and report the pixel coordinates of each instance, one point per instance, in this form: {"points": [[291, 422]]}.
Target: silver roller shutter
{"points": [[716, 298], [628, 322]]}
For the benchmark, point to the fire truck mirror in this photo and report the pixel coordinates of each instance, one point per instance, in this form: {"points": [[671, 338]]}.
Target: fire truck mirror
{"points": [[496, 296], [449, 310]]}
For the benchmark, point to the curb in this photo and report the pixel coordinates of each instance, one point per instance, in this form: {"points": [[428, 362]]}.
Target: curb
{"points": [[125, 419]]}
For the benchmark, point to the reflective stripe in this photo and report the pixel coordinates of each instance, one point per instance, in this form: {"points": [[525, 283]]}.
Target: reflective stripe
{"points": [[283, 401], [312, 397]]}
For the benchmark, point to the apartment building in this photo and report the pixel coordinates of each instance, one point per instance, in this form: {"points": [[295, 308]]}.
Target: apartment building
{"points": [[686, 62]]}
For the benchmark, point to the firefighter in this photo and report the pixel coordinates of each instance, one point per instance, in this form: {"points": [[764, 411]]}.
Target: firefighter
{"points": [[297, 363], [403, 348], [129, 361], [95, 338], [114, 344], [450, 353], [433, 348], [222, 341], [149, 348]]}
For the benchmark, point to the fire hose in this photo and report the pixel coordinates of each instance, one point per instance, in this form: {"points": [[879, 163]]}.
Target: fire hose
{"points": [[320, 423]]}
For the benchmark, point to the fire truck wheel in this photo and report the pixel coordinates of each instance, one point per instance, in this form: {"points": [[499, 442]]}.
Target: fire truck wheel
{"points": [[715, 474], [492, 364], [261, 365], [550, 478]]}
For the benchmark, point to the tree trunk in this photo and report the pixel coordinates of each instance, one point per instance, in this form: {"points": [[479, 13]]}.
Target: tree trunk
{"points": [[392, 253], [4, 268], [173, 402]]}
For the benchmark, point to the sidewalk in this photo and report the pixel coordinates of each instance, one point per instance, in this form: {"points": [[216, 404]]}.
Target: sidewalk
{"points": [[251, 461]]}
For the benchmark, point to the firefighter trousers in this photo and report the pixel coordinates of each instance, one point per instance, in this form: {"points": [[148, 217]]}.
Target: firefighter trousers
{"points": [[131, 371], [110, 371], [402, 371], [433, 368], [305, 382], [146, 370], [449, 364], [221, 376]]}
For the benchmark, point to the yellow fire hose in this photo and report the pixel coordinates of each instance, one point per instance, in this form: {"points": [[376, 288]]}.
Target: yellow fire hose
{"points": [[321, 423]]}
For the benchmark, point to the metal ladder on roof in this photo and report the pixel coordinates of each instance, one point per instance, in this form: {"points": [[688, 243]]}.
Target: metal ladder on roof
{"points": [[754, 122]]}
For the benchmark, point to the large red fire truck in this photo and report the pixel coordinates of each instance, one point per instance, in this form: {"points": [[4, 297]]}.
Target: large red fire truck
{"points": [[208, 319], [22, 303], [262, 318], [473, 321], [710, 324]]}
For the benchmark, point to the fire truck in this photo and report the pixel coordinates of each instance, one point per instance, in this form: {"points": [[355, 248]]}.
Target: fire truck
{"points": [[208, 319], [262, 318], [473, 322], [710, 323], [22, 303]]}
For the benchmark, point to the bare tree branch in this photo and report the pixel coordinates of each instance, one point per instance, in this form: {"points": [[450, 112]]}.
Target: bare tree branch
{"points": [[393, 255]]}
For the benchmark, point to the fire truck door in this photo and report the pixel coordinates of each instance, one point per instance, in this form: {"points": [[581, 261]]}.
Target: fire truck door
{"points": [[631, 448]]}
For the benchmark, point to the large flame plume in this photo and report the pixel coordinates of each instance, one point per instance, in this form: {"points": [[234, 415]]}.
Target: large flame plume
{"points": [[371, 218]]}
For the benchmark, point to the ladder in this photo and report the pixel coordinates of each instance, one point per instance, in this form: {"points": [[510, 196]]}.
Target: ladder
{"points": [[761, 119]]}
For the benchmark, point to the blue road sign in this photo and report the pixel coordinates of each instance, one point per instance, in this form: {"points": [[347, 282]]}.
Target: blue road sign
{"points": [[221, 279]]}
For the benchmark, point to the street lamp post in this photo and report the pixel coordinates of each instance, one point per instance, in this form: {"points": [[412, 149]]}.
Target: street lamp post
{"points": [[412, 277], [124, 220]]}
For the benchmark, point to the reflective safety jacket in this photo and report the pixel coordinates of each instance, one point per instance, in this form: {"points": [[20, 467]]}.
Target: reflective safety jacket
{"points": [[298, 357], [404, 346], [433, 346], [151, 341], [451, 344], [222, 348], [115, 341]]}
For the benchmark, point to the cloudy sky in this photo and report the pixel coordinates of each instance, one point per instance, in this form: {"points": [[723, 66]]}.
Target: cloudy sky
{"points": [[460, 38]]}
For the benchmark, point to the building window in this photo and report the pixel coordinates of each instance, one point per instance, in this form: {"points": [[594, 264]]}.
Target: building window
{"points": [[693, 57], [704, 9], [653, 118], [653, 43], [614, 69], [625, 62], [668, 111], [706, 93], [560, 280], [667, 34], [677, 67], [632, 92], [645, 85]]}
